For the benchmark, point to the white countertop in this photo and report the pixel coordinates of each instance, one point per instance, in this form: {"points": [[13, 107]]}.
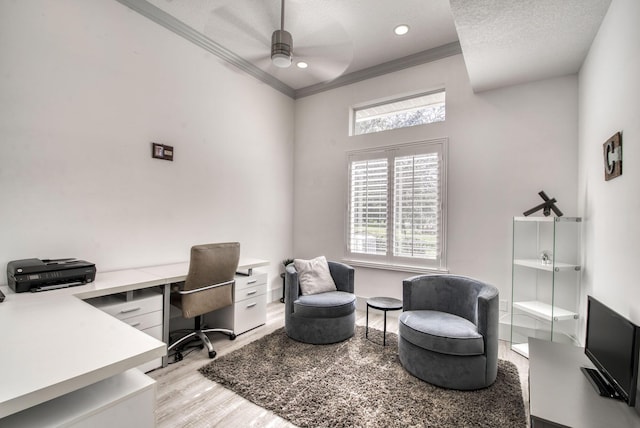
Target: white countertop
{"points": [[54, 343], [559, 393], [176, 272]]}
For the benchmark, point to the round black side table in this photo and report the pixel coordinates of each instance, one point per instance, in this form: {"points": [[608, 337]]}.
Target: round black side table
{"points": [[384, 304]]}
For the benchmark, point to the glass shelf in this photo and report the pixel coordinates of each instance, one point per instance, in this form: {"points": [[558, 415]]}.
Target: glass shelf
{"points": [[535, 219], [545, 311], [535, 264]]}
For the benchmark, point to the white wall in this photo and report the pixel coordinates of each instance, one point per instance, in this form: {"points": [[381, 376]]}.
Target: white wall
{"points": [[85, 87], [505, 146], [610, 102]]}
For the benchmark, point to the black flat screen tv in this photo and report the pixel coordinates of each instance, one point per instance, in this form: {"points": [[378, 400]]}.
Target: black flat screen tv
{"points": [[612, 344]]}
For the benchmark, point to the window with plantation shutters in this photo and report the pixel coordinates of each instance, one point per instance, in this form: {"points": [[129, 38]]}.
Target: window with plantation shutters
{"points": [[397, 199]]}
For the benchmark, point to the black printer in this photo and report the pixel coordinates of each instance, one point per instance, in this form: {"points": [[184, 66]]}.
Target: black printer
{"points": [[40, 275]]}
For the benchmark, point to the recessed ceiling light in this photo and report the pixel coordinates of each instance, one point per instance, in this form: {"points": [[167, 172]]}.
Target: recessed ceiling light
{"points": [[302, 64], [401, 30]]}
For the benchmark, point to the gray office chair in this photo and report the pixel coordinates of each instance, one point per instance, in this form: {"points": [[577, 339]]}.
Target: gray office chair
{"points": [[208, 287]]}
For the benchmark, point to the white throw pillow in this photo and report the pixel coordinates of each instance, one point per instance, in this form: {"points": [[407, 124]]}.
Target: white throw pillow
{"points": [[314, 276]]}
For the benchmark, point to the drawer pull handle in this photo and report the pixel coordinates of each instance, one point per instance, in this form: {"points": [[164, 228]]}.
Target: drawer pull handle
{"points": [[135, 324], [253, 281], [126, 311], [251, 305], [252, 292]]}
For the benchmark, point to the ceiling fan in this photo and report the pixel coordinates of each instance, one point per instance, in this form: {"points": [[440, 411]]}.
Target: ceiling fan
{"points": [[331, 52], [281, 44], [244, 27]]}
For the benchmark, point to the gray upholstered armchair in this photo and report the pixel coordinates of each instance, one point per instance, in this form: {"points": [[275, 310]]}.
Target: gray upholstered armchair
{"points": [[322, 318], [448, 331]]}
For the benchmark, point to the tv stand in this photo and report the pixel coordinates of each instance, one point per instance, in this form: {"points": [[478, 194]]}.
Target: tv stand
{"points": [[599, 383], [561, 396]]}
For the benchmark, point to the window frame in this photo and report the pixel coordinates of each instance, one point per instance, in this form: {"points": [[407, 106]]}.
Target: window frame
{"points": [[387, 101], [389, 261]]}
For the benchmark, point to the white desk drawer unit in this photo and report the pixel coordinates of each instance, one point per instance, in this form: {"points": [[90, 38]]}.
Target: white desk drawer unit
{"points": [[249, 309], [146, 321], [142, 303], [250, 302], [250, 292], [143, 311]]}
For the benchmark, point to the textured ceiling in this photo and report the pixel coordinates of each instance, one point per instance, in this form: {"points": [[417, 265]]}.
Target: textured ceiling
{"points": [[334, 37], [505, 42]]}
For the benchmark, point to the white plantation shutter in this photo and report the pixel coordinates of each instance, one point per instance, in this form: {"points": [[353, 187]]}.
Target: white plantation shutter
{"points": [[369, 196], [416, 230], [397, 198]]}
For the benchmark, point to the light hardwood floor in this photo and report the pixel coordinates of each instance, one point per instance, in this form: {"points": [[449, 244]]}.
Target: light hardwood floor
{"points": [[185, 398]]}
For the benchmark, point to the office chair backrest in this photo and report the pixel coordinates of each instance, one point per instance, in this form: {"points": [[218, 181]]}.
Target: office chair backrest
{"points": [[210, 264]]}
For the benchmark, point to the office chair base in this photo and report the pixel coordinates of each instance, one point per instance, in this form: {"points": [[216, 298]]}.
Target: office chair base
{"points": [[201, 334], [228, 332]]}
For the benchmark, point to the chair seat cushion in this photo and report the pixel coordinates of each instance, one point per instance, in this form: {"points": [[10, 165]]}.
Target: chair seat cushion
{"points": [[441, 332], [325, 305]]}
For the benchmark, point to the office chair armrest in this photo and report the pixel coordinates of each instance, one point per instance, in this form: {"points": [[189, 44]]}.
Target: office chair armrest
{"points": [[176, 287], [208, 287]]}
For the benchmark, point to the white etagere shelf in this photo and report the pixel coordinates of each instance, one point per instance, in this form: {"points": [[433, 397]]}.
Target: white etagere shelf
{"points": [[536, 219], [536, 264], [545, 311], [538, 286]]}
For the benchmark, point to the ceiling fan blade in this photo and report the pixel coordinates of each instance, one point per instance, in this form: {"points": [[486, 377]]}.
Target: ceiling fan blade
{"points": [[237, 21], [328, 61], [342, 52], [328, 46], [326, 71], [261, 61]]}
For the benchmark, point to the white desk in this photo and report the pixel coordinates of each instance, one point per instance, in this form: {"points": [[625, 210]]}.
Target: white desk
{"points": [[177, 272], [53, 343], [561, 396]]}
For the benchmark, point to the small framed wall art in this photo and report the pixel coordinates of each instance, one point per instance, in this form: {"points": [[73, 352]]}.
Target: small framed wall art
{"points": [[612, 150], [162, 151]]}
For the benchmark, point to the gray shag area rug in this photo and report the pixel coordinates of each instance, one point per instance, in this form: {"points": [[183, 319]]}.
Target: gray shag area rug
{"points": [[359, 383]]}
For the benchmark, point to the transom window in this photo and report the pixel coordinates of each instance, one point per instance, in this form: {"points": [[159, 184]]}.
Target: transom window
{"points": [[396, 209], [400, 113]]}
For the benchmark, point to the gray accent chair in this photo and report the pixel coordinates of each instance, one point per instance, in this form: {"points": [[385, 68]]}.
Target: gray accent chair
{"points": [[322, 318], [448, 331]]}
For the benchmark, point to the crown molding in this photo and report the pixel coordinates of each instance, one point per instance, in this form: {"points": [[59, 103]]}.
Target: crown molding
{"points": [[173, 24], [384, 68]]}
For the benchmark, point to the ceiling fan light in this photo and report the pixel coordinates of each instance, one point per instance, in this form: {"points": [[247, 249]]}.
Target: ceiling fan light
{"points": [[281, 60], [281, 48]]}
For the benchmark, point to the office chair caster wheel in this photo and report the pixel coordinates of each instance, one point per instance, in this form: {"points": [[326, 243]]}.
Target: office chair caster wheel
{"points": [[212, 354], [232, 337]]}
